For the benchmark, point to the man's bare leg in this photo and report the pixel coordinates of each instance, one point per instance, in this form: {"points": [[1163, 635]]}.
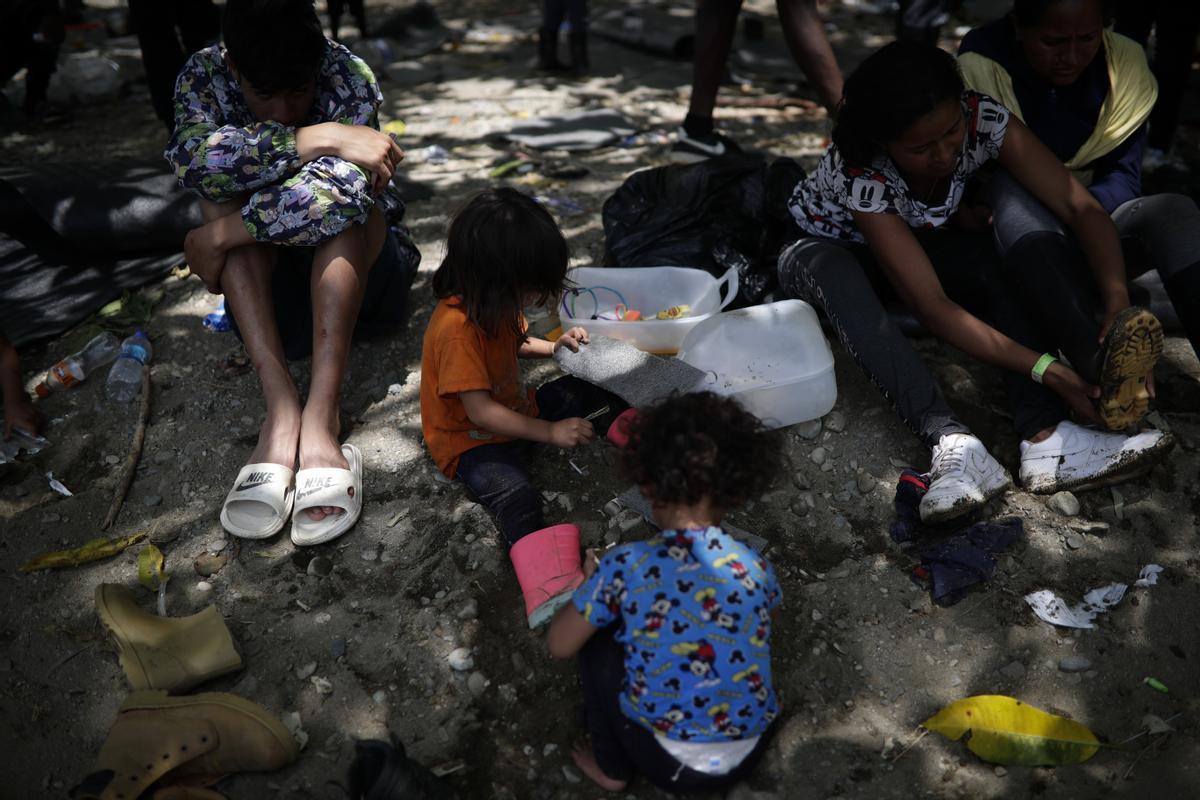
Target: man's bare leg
{"points": [[805, 35], [339, 279], [246, 282]]}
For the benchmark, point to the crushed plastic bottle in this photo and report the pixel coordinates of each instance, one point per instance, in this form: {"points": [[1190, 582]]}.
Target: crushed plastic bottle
{"points": [[75, 368], [218, 321], [21, 440], [125, 377], [434, 154]]}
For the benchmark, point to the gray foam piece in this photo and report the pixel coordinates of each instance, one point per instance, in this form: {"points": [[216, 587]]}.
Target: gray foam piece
{"points": [[636, 377], [634, 500]]}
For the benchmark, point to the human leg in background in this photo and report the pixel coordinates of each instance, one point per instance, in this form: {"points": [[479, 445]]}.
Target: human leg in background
{"points": [[553, 12], [1176, 26], [1166, 228], [716, 24], [577, 17], [339, 278], [167, 33], [833, 277], [805, 35]]}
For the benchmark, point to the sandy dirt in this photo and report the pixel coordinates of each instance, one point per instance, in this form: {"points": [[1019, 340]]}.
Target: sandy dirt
{"points": [[861, 655]]}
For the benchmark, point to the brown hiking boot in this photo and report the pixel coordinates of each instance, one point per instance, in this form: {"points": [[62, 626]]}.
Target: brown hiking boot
{"points": [[170, 653], [193, 740], [1131, 349]]}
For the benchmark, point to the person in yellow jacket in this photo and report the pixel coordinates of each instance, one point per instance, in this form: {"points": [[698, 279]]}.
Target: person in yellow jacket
{"points": [[1087, 93]]}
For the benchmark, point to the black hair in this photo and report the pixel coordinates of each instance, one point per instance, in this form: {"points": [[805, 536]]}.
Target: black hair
{"points": [[1029, 13], [701, 445], [275, 45], [502, 247], [893, 88]]}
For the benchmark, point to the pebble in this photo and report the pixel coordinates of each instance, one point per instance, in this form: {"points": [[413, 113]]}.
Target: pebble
{"points": [[817, 616], [207, 565], [1000, 772], [1014, 670], [810, 429], [112, 460], [152, 500], [204, 586], [865, 483], [1074, 541], [370, 553], [320, 566], [395, 389], [322, 685], [305, 671], [835, 421], [818, 456], [921, 604], [164, 535], [571, 774], [323, 618], [1063, 503], [460, 659], [477, 684], [337, 647], [470, 610], [379, 698], [1074, 664]]}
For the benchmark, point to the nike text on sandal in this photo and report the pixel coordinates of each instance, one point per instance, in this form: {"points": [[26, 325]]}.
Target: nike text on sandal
{"points": [[1131, 349], [260, 501], [328, 486]]}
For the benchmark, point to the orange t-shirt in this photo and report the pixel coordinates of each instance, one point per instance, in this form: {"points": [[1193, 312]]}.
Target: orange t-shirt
{"points": [[458, 357]]}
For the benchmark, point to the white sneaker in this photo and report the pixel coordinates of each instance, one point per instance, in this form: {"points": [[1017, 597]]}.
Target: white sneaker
{"points": [[962, 477], [1074, 457]]}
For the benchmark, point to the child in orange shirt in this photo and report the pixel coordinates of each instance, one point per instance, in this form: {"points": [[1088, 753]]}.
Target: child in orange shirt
{"points": [[504, 252]]}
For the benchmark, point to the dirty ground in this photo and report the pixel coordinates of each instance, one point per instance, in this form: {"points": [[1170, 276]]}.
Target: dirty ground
{"points": [[354, 636]]}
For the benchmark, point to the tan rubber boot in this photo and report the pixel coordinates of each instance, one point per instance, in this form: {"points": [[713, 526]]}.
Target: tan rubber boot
{"points": [[193, 740], [170, 653]]}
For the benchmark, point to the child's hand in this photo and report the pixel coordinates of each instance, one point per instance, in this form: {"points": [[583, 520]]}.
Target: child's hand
{"points": [[590, 562], [572, 339], [571, 432], [20, 413]]}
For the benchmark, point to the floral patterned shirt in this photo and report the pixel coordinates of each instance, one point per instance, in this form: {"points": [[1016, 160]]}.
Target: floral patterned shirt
{"points": [[220, 150], [822, 203], [694, 610]]}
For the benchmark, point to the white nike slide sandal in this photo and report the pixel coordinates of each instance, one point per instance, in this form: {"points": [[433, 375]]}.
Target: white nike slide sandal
{"points": [[259, 502], [328, 486]]}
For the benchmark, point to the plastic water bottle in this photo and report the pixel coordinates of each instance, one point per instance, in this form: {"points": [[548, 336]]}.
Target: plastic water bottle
{"points": [[217, 321], [74, 368], [125, 377]]}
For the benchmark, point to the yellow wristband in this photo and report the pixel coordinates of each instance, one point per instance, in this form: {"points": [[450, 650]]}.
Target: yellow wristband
{"points": [[1039, 369]]}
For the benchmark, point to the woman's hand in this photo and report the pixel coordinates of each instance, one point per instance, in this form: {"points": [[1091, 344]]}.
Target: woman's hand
{"points": [[1079, 395]]}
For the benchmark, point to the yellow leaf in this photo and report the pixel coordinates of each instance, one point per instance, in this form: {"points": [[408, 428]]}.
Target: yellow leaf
{"points": [[94, 550], [150, 567], [1003, 730], [396, 127]]}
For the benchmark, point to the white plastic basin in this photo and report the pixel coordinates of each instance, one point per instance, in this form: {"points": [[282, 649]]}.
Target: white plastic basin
{"points": [[649, 290], [772, 358]]}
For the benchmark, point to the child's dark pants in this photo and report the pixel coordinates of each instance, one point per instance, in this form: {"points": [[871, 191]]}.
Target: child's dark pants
{"points": [[496, 473], [621, 746]]}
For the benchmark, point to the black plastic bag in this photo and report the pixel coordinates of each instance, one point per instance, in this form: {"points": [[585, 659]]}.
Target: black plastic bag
{"points": [[720, 213]]}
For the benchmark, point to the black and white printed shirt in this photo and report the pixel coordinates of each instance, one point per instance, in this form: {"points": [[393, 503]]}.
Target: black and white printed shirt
{"points": [[822, 203]]}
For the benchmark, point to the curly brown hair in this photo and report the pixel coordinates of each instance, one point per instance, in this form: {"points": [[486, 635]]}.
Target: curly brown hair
{"points": [[696, 446]]}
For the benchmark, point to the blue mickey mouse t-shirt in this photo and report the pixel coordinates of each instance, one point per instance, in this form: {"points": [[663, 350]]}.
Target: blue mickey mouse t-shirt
{"points": [[695, 620]]}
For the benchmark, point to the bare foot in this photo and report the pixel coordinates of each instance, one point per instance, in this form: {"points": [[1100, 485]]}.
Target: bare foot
{"points": [[586, 761], [277, 438], [319, 448]]}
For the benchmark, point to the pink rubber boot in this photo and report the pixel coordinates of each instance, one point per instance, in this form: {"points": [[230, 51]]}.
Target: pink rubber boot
{"points": [[547, 563], [618, 432]]}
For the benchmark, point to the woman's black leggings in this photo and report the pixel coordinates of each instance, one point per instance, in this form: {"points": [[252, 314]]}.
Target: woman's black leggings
{"points": [[845, 282], [1047, 268]]}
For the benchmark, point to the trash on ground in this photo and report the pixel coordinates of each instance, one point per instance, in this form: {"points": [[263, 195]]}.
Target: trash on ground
{"points": [[218, 321], [1053, 609], [1004, 730], [563, 206], [433, 154], [95, 550], [21, 441], [58, 486], [1157, 685]]}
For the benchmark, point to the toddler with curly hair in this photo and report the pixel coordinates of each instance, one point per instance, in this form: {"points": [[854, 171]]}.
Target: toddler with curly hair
{"points": [[673, 633]]}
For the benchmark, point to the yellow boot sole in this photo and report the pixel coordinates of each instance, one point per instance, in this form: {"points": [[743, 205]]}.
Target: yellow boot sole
{"points": [[1131, 349]]}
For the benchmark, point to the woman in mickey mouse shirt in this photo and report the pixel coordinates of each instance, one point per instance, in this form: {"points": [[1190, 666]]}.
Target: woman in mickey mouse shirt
{"points": [[673, 633], [881, 214]]}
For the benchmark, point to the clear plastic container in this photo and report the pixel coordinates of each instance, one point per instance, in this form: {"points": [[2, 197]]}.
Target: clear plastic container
{"points": [[773, 359], [76, 367], [649, 290]]}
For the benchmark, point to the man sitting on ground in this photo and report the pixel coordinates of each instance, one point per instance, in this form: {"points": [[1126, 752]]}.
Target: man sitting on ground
{"points": [[278, 133]]}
